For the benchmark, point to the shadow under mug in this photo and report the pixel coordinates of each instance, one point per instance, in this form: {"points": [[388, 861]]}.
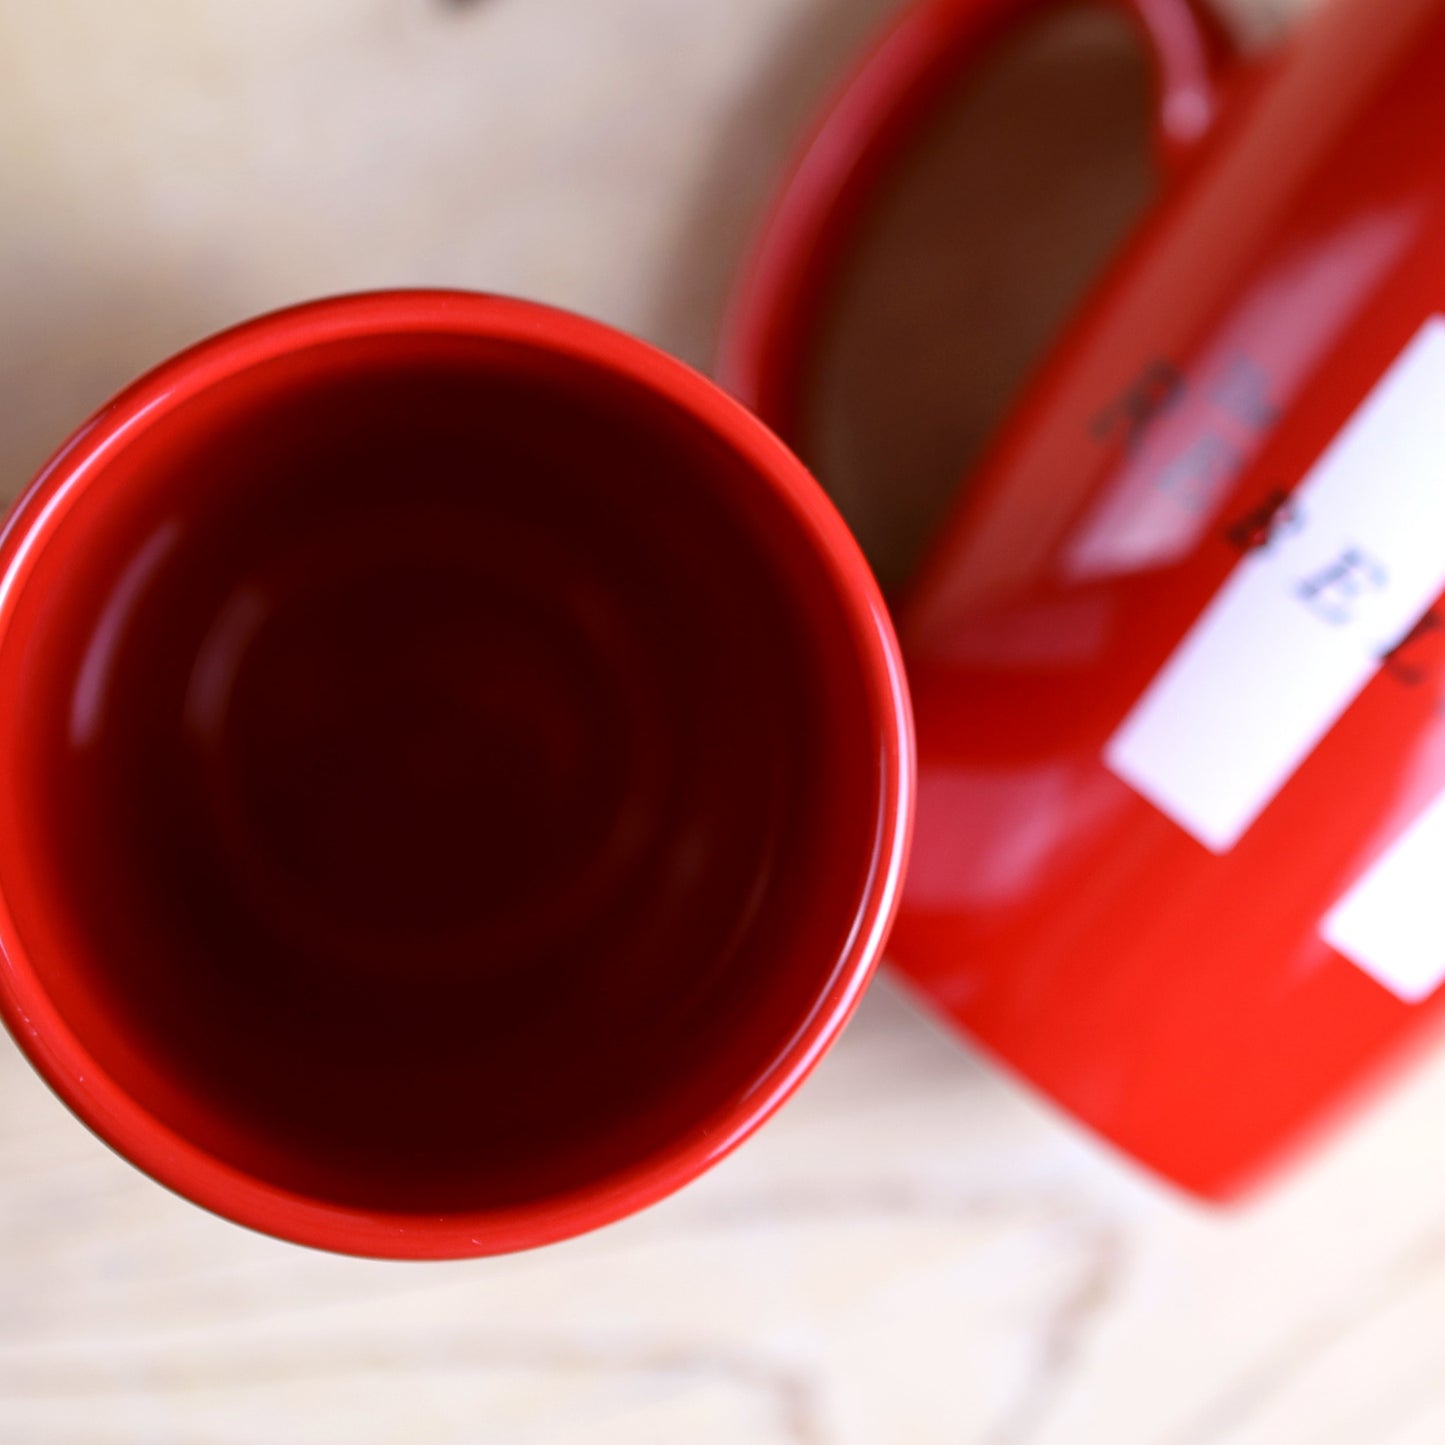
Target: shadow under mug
{"points": [[1177, 653], [458, 774]]}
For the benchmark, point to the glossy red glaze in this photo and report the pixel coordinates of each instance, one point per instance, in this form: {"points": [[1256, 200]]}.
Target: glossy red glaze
{"points": [[1182, 998], [459, 774]]}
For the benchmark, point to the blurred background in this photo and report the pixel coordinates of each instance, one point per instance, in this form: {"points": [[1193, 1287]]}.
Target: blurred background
{"points": [[915, 1251]]}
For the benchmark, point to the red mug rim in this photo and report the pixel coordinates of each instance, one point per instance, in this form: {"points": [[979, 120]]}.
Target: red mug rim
{"points": [[178, 1163]]}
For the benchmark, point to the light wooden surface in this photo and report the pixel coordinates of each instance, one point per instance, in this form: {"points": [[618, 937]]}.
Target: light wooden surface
{"points": [[914, 1251]]}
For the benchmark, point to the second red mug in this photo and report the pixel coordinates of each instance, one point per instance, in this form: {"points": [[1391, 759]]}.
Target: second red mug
{"points": [[1178, 657]]}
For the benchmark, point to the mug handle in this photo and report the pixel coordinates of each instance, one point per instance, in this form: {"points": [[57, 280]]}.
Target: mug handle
{"points": [[870, 122]]}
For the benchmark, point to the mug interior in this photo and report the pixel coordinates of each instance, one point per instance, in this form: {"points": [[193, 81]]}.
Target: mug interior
{"points": [[446, 775]]}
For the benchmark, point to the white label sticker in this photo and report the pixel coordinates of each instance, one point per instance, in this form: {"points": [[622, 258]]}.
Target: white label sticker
{"points": [[1305, 623], [1392, 922]]}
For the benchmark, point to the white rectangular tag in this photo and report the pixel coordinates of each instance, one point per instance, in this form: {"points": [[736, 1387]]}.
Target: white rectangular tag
{"points": [[1392, 922], [1302, 625]]}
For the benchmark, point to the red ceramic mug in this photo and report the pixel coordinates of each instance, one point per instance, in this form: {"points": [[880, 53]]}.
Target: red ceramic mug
{"points": [[458, 774], [1177, 657]]}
